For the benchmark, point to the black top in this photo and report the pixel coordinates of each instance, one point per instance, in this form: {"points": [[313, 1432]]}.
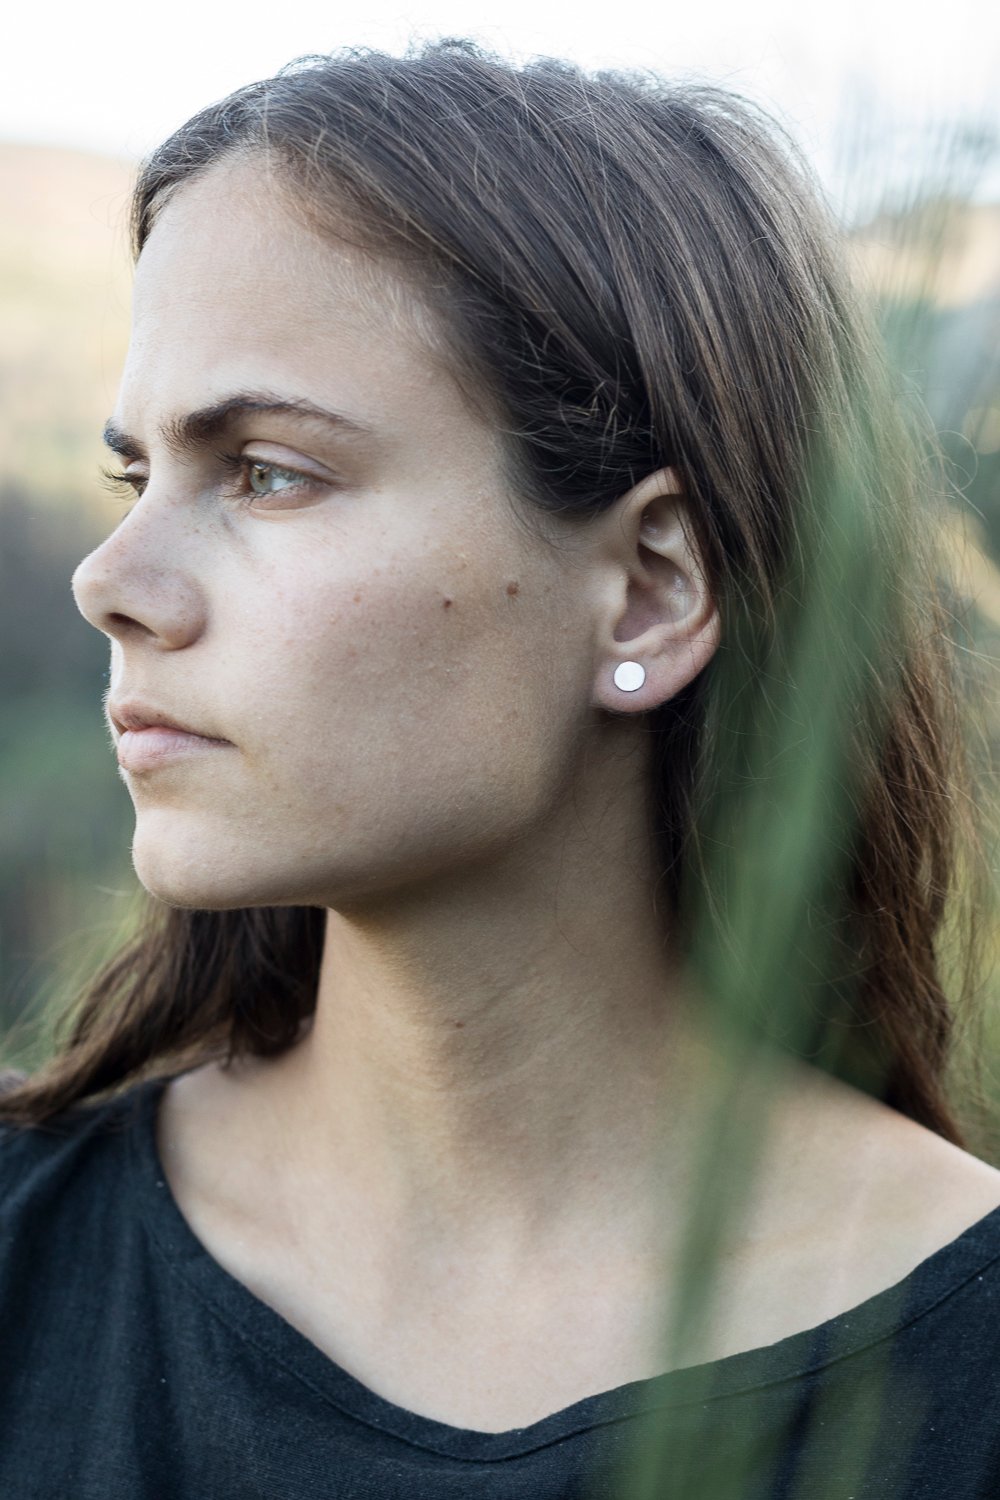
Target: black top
{"points": [[134, 1367]]}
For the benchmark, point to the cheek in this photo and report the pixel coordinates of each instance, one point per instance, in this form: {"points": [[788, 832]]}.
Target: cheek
{"points": [[414, 675]]}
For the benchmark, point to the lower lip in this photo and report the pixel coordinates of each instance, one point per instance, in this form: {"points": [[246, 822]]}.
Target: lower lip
{"points": [[145, 749]]}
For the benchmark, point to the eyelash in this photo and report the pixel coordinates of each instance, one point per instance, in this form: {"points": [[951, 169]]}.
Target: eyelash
{"points": [[234, 465]]}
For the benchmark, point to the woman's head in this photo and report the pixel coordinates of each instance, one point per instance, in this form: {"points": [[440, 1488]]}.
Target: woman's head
{"points": [[407, 676], [603, 382], [529, 312]]}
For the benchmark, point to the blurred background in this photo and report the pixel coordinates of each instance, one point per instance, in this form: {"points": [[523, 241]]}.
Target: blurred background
{"points": [[899, 115]]}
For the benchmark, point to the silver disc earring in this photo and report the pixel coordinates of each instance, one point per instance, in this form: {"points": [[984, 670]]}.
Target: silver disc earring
{"points": [[629, 675]]}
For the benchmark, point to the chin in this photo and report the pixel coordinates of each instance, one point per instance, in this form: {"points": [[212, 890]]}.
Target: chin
{"points": [[209, 875], [219, 863], [198, 872], [194, 891]]}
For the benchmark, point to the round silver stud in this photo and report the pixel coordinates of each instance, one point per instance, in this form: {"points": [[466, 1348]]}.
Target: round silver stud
{"points": [[629, 675]]}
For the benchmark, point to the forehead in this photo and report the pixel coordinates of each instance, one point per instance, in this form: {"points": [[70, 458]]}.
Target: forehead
{"points": [[234, 290]]}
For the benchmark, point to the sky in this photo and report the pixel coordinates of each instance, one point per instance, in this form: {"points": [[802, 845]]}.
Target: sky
{"points": [[118, 77]]}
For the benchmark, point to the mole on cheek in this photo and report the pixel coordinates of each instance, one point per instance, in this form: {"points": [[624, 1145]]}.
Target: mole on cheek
{"points": [[447, 603], [513, 587]]}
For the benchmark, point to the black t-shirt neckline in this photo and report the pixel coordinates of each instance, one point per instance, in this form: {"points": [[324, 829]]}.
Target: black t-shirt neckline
{"points": [[278, 1341]]}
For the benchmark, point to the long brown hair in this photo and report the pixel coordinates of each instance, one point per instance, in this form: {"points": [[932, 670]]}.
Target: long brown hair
{"points": [[632, 274]]}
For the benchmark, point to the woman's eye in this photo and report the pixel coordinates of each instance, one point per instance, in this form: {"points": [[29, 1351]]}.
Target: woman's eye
{"points": [[270, 479], [117, 482], [245, 479]]}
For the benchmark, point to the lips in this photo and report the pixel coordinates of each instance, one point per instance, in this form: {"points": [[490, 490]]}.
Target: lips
{"points": [[131, 714], [148, 740]]}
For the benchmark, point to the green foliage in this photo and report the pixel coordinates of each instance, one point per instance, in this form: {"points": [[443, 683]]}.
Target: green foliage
{"points": [[782, 832]]}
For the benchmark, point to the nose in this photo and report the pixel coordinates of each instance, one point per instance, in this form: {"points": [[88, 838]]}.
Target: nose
{"points": [[136, 587]]}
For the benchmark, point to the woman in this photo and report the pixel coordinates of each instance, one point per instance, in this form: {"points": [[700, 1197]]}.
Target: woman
{"points": [[484, 433]]}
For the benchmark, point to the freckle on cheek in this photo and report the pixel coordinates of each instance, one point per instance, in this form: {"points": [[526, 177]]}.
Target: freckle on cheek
{"points": [[357, 598], [513, 587]]}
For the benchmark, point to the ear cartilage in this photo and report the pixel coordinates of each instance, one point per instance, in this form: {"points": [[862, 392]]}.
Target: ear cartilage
{"points": [[629, 675]]}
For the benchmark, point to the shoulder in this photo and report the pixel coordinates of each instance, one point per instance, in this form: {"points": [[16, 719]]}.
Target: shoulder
{"points": [[891, 1190], [66, 1164], [72, 1223]]}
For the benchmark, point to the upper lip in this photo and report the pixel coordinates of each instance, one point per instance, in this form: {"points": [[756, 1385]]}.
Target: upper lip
{"points": [[133, 714]]}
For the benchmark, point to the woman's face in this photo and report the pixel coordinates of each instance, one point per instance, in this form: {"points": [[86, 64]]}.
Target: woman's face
{"points": [[400, 667]]}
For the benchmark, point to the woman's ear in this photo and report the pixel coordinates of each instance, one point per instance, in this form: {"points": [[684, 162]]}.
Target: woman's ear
{"points": [[657, 612]]}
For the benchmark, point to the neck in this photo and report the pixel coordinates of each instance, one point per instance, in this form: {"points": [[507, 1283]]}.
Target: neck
{"points": [[500, 1048]]}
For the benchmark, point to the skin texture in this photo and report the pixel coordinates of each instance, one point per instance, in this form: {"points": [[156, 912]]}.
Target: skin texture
{"points": [[415, 684]]}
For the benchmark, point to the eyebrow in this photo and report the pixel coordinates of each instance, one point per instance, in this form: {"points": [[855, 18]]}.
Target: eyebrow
{"points": [[182, 435]]}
